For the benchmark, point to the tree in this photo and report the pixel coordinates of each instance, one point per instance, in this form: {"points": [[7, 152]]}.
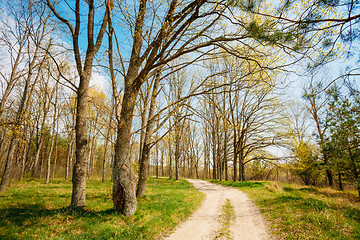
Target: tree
{"points": [[173, 38], [145, 153], [342, 143], [307, 163], [84, 70], [316, 103], [36, 58], [15, 41], [247, 113], [305, 153]]}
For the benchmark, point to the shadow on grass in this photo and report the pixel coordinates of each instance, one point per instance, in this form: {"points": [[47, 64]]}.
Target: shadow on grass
{"points": [[26, 215], [346, 195], [354, 214]]}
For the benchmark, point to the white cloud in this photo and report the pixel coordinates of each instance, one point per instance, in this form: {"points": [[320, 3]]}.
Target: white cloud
{"points": [[99, 80]]}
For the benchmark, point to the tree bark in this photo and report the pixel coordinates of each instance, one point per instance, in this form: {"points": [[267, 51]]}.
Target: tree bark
{"points": [[340, 181], [241, 166], [124, 179], [79, 172]]}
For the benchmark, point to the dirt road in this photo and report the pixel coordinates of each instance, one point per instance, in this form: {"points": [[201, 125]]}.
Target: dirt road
{"points": [[210, 222]]}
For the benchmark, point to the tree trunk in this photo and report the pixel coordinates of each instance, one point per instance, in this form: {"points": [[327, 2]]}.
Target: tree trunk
{"points": [[177, 154], [23, 161], [79, 172], [145, 156], [55, 156], [15, 133], [162, 162], [48, 172], [144, 162], [143, 111], [340, 181], [329, 175], [53, 140], [157, 160], [241, 166], [26, 152], [220, 159], [84, 69], [36, 162], [124, 179], [214, 154], [69, 156], [170, 159], [225, 154], [8, 165]]}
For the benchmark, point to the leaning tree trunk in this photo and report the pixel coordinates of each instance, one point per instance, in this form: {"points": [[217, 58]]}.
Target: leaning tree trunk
{"points": [[124, 179], [15, 134], [145, 155]]}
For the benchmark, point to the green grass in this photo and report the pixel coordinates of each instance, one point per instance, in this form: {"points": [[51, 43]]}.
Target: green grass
{"points": [[34, 210], [226, 219], [298, 212]]}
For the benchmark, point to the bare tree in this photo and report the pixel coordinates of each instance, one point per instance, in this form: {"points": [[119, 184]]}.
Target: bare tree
{"points": [[37, 21], [84, 69], [316, 102], [145, 153]]}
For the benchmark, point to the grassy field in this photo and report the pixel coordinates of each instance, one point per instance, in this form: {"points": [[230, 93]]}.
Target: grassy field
{"points": [[298, 212], [34, 210]]}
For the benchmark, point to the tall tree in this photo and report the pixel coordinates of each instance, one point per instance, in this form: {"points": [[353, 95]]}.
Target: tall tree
{"points": [[316, 103], [172, 39], [36, 58], [84, 69], [342, 143]]}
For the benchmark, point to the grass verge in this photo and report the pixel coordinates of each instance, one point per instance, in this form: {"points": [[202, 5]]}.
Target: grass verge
{"points": [[34, 210], [299, 212]]}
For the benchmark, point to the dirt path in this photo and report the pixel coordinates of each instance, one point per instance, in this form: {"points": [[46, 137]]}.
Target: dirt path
{"points": [[244, 221]]}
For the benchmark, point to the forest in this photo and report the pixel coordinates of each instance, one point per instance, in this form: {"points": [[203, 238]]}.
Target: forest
{"points": [[229, 90]]}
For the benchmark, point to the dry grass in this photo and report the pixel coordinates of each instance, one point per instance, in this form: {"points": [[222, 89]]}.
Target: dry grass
{"points": [[298, 212]]}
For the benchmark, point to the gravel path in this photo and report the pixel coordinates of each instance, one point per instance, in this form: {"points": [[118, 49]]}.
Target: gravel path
{"points": [[204, 223]]}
